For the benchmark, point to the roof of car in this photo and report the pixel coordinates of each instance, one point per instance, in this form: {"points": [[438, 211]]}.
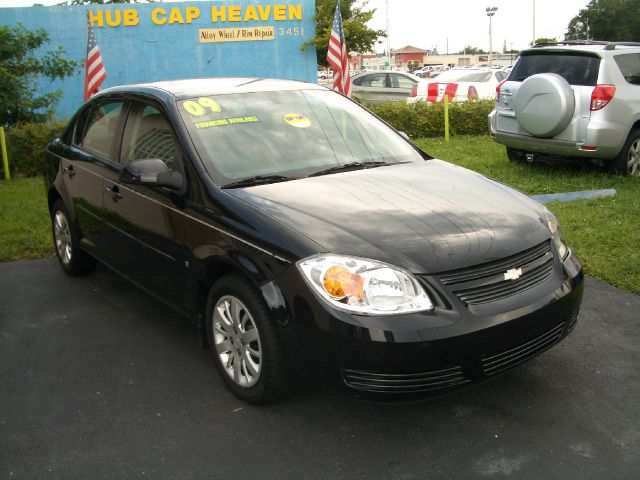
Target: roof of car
{"points": [[583, 46], [195, 87]]}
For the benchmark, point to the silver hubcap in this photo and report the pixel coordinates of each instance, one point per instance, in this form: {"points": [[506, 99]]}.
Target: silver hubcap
{"points": [[633, 160], [62, 236], [237, 341]]}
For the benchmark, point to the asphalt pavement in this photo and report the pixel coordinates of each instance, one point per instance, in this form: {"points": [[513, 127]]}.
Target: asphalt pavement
{"points": [[98, 380]]}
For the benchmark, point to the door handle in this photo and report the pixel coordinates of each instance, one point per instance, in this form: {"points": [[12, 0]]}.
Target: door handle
{"points": [[114, 192], [69, 170]]}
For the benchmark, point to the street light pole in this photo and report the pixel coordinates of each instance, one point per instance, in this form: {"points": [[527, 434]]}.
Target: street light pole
{"points": [[388, 38], [491, 11], [533, 41]]}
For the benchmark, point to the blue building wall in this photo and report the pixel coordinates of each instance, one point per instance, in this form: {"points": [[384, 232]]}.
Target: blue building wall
{"points": [[165, 44]]}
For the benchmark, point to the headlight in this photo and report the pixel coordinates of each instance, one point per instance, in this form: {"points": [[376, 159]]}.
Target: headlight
{"points": [[556, 233], [364, 286]]}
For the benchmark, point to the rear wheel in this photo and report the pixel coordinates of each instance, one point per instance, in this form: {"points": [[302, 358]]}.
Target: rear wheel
{"points": [[73, 259], [244, 342], [628, 160]]}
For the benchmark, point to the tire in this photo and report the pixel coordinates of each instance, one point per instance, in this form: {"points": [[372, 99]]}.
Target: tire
{"points": [[244, 342], [544, 105], [628, 160], [66, 241]]}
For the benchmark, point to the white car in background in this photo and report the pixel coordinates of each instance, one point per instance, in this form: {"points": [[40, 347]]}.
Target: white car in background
{"points": [[459, 84]]}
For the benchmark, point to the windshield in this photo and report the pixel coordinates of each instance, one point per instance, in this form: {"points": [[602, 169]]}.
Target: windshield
{"points": [[465, 76], [287, 134]]}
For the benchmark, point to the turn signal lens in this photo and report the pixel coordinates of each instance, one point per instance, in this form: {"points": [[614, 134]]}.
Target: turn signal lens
{"points": [[601, 96], [340, 282]]}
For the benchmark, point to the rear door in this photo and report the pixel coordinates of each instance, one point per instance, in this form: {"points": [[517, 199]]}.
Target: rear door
{"points": [[89, 158]]}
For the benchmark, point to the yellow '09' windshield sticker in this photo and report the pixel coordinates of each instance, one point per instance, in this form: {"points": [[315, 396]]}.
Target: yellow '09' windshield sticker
{"points": [[226, 121], [297, 120], [201, 106]]}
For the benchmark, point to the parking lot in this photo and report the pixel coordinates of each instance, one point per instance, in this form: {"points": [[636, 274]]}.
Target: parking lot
{"points": [[101, 381]]}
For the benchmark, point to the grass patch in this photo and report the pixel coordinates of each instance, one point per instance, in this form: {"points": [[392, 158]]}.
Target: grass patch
{"points": [[604, 233], [24, 220]]}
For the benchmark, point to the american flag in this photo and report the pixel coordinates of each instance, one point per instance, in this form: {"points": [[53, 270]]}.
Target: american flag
{"points": [[94, 72], [337, 55]]}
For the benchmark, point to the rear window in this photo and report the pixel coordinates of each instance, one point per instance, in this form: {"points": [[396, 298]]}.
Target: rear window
{"points": [[575, 69], [629, 65]]}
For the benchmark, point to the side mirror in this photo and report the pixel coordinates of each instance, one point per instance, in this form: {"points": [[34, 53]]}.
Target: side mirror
{"points": [[151, 172]]}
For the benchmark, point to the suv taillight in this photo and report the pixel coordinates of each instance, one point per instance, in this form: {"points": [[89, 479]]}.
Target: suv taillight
{"points": [[601, 96], [498, 90], [414, 90]]}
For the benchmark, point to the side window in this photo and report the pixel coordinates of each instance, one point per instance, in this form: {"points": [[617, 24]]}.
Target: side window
{"points": [[629, 65], [374, 80], [500, 76], [100, 133], [400, 81], [148, 134]]}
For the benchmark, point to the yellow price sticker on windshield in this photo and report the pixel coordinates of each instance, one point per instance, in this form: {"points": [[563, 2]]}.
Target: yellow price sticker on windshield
{"points": [[297, 120], [199, 108]]}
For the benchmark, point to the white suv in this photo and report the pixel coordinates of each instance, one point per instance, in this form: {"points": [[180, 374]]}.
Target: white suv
{"points": [[572, 100]]}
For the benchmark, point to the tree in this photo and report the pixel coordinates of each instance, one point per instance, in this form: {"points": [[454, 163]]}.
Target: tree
{"points": [[614, 20], [542, 41], [20, 68], [358, 36], [470, 50]]}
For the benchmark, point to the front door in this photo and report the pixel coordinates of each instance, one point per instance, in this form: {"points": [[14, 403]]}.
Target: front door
{"points": [[147, 220]]}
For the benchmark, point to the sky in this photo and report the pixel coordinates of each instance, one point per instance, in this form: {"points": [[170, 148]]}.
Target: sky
{"points": [[427, 23]]}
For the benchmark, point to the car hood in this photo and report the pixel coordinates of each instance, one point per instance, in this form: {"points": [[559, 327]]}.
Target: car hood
{"points": [[426, 217]]}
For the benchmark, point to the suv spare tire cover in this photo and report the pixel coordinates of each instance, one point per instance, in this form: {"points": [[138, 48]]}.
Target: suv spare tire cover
{"points": [[544, 104]]}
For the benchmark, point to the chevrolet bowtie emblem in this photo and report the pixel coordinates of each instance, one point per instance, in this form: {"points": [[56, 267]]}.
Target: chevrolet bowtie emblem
{"points": [[513, 274]]}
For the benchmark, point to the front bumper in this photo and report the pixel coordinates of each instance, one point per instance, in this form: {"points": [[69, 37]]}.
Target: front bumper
{"points": [[430, 352]]}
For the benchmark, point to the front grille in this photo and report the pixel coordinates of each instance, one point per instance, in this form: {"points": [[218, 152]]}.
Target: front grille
{"points": [[497, 363], [486, 283], [404, 383]]}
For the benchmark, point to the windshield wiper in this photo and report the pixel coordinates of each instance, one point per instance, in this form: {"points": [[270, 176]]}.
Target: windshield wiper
{"points": [[258, 180], [347, 167]]}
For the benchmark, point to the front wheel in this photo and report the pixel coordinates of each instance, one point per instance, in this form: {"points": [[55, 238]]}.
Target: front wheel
{"points": [[244, 342], [628, 160], [73, 259]]}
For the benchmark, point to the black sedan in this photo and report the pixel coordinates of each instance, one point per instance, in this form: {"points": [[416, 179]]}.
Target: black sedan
{"points": [[308, 240]]}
